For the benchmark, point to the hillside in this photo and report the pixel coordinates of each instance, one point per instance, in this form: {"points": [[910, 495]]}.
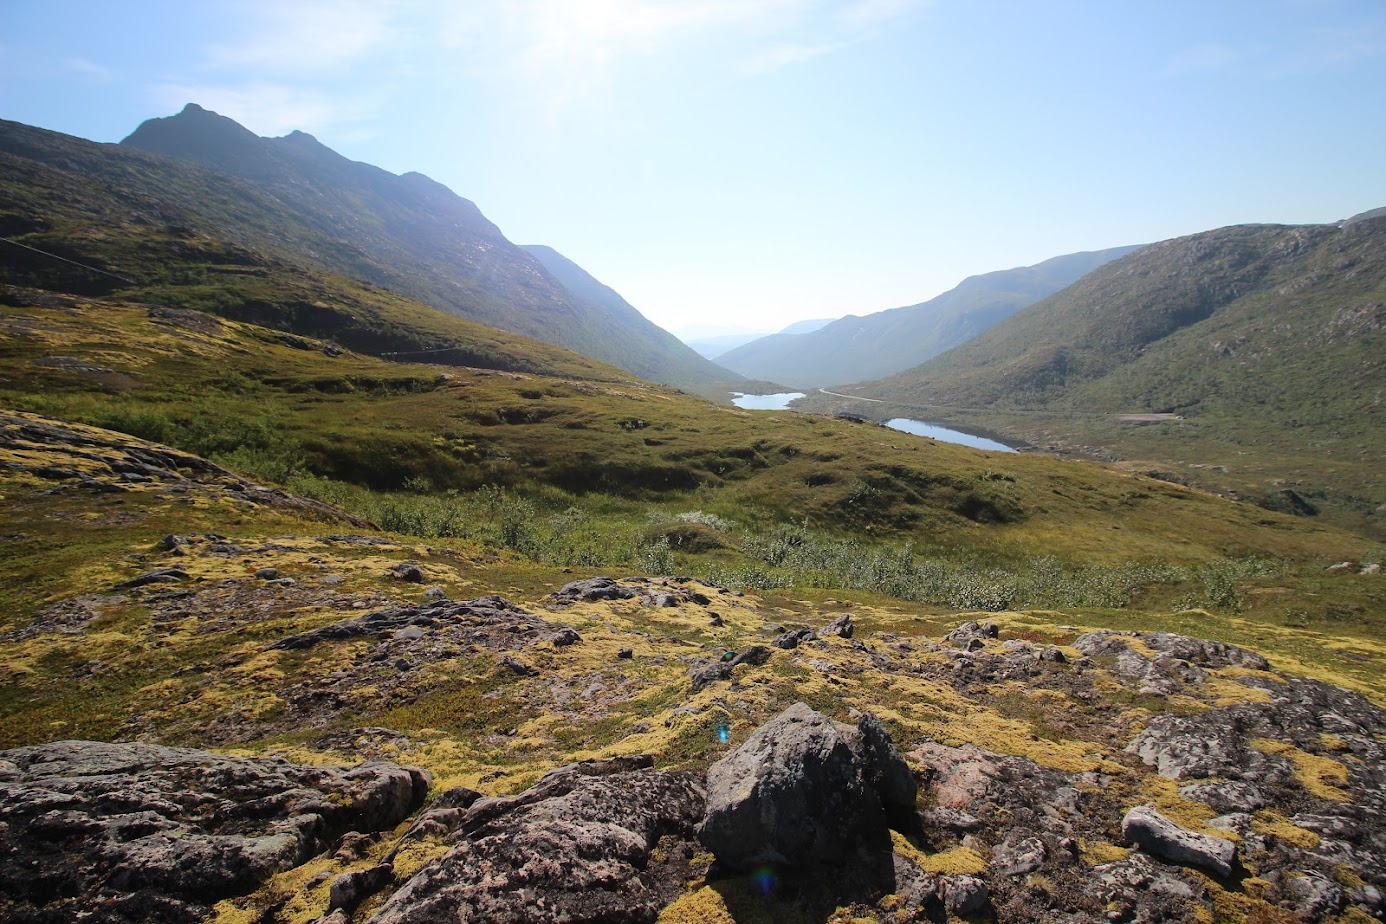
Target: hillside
{"points": [[296, 200], [1258, 348], [855, 349]]}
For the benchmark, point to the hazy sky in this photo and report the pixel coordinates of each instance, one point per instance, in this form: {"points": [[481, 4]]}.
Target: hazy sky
{"points": [[755, 162]]}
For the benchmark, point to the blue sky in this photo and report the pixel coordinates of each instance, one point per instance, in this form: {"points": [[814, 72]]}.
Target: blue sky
{"points": [[749, 163]]}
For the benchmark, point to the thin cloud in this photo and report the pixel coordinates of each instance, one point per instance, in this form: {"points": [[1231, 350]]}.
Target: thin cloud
{"points": [[305, 38], [90, 68]]}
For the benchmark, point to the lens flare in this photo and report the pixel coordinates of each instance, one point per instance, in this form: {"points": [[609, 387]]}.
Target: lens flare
{"points": [[722, 734], [766, 881]]}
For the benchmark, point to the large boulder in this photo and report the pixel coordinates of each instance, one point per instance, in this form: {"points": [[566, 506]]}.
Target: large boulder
{"points": [[133, 832], [600, 841], [804, 791]]}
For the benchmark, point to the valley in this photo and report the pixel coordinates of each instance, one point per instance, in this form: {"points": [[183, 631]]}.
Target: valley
{"points": [[322, 604]]}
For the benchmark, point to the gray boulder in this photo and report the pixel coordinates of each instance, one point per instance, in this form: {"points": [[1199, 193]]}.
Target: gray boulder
{"points": [[580, 845], [804, 791], [133, 832], [1158, 836]]}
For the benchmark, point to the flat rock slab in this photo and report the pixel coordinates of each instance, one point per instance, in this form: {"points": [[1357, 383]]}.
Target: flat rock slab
{"points": [[133, 832], [1158, 836]]}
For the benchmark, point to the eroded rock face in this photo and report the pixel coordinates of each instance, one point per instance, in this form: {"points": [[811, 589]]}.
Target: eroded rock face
{"points": [[578, 846], [804, 791], [132, 832]]}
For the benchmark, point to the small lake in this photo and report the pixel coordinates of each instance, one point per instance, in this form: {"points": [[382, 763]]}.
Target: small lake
{"points": [[778, 402], [920, 428]]}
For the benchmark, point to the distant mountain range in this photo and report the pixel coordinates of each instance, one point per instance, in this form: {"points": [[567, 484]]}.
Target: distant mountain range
{"points": [[416, 237], [715, 345], [855, 349]]}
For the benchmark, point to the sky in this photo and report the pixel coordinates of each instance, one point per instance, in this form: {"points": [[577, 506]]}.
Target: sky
{"points": [[746, 164]]}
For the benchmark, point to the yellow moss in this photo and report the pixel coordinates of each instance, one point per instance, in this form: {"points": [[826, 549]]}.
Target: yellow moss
{"points": [[415, 855], [1222, 690], [1096, 853], [1163, 793], [1274, 824], [1332, 742], [958, 861], [1322, 776], [704, 906]]}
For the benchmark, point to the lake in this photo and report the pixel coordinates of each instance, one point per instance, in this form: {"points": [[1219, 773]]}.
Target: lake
{"points": [[920, 428], [781, 401], [778, 402]]}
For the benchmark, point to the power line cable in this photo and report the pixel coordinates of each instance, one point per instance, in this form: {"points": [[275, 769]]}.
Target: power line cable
{"points": [[73, 262]]}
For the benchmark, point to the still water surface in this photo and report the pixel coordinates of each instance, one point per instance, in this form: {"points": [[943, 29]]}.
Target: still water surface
{"points": [[920, 428], [780, 402]]}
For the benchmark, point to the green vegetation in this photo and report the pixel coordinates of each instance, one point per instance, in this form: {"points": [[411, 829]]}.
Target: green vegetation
{"points": [[1259, 345]]}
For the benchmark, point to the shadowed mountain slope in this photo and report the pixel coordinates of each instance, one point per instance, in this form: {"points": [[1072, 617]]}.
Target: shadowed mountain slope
{"points": [[855, 349], [417, 237]]}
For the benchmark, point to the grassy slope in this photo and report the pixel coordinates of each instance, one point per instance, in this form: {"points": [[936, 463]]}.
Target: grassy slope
{"points": [[1265, 340], [238, 388]]}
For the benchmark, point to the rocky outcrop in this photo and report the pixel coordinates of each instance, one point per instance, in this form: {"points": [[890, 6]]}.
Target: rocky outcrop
{"points": [[75, 456], [513, 626], [604, 841], [804, 791], [652, 592], [131, 832]]}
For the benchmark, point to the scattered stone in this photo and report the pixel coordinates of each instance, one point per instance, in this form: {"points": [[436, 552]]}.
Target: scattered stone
{"points": [[267, 574], [159, 576], [565, 637], [1158, 836], [1344, 567], [408, 571], [802, 792], [1312, 895], [972, 632], [591, 590], [794, 638], [435, 593], [704, 673], [515, 665], [715, 620], [625, 654], [840, 627]]}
